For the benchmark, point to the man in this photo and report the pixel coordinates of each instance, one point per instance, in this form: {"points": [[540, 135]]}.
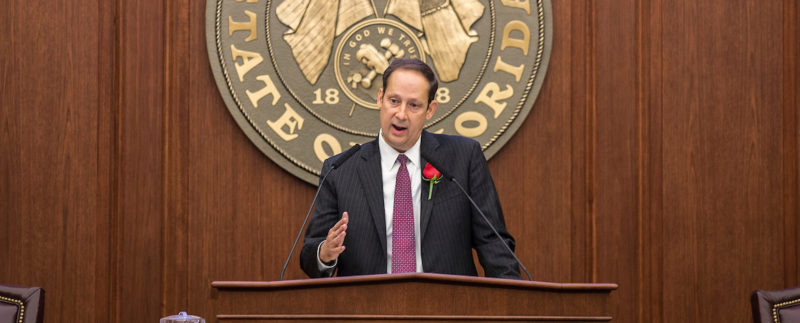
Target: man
{"points": [[373, 214]]}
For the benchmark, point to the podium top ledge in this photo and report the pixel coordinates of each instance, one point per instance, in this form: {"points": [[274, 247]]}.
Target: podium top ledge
{"points": [[414, 277]]}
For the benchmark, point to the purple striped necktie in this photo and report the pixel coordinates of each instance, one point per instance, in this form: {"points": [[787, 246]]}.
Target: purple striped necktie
{"points": [[404, 259]]}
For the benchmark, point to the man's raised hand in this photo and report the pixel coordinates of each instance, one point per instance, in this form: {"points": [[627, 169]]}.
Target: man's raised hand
{"points": [[333, 245]]}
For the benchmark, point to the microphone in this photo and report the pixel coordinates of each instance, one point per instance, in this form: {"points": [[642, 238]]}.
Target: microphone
{"points": [[336, 164], [344, 157], [445, 175]]}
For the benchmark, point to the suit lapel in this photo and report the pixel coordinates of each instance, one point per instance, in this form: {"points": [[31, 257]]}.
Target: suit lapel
{"points": [[428, 147], [371, 180]]}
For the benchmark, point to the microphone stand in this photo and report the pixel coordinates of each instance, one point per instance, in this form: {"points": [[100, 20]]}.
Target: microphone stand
{"points": [[342, 158]]}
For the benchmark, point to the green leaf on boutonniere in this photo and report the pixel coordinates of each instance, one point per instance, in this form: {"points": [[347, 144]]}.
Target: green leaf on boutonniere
{"points": [[431, 175]]}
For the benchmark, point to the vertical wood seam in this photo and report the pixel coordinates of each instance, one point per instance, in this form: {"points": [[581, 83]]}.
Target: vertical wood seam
{"points": [[698, 181], [796, 99], [580, 260], [657, 210], [165, 149], [642, 205], [107, 160], [181, 207], [174, 246], [114, 225], [591, 135], [790, 142]]}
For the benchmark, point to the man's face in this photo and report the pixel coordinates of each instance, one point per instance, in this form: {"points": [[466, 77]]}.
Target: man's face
{"points": [[404, 108]]}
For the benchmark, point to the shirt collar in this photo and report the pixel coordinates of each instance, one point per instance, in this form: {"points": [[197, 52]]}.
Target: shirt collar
{"points": [[389, 154]]}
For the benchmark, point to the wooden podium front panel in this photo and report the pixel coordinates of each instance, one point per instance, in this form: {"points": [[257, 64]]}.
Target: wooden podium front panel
{"points": [[411, 298]]}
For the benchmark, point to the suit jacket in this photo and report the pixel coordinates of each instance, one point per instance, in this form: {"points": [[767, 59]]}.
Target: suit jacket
{"points": [[450, 227]]}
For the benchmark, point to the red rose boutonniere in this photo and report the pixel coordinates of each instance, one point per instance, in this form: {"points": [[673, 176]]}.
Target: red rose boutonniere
{"points": [[431, 175]]}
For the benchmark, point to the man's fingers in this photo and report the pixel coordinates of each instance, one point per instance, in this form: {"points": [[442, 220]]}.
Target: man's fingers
{"points": [[333, 233], [333, 245], [339, 227], [339, 240], [342, 222], [335, 241], [331, 248]]}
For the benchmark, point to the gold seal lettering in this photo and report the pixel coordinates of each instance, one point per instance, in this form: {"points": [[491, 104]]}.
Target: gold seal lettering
{"points": [[473, 117], [249, 26], [522, 4], [269, 88], [491, 94], [516, 42], [291, 120], [499, 65], [327, 140], [249, 60]]}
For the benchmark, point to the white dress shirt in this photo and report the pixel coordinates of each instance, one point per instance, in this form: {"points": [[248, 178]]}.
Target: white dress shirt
{"points": [[389, 167]]}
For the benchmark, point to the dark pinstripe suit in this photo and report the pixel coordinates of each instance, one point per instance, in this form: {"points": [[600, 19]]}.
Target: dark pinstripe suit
{"points": [[449, 226]]}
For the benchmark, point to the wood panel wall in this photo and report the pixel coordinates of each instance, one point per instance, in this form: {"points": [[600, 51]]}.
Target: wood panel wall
{"points": [[662, 155]]}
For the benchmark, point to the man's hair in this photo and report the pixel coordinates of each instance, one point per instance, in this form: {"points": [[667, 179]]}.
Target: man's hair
{"points": [[414, 65]]}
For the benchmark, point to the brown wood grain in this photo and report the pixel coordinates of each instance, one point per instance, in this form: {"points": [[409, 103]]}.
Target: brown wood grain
{"points": [[538, 151], [615, 148], [412, 318], [580, 64], [721, 121], [422, 297], [650, 206], [791, 145], [140, 163], [175, 219], [55, 158], [662, 154]]}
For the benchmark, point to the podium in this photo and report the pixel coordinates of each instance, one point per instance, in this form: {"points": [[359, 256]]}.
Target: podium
{"points": [[410, 298]]}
